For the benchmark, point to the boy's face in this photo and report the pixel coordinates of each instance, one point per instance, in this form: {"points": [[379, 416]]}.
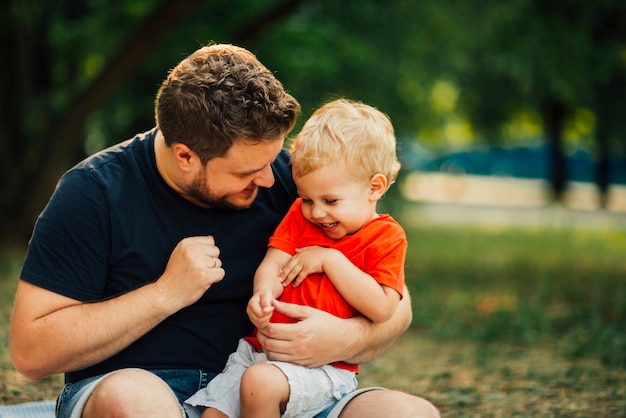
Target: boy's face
{"points": [[335, 201]]}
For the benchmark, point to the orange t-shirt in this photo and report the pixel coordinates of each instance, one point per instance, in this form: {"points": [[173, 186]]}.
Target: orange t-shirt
{"points": [[378, 249]]}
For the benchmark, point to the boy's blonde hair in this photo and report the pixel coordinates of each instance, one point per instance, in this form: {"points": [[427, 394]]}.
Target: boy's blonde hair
{"points": [[349, 132]]}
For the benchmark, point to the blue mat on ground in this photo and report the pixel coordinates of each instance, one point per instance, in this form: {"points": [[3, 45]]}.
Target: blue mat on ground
{"points": [[39, 409]]}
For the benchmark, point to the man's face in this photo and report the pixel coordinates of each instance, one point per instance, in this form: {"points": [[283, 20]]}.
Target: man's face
{"points": [[232, 181]]}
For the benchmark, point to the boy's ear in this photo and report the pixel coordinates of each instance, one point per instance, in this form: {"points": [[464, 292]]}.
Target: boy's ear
{"points": [[378, 186]]}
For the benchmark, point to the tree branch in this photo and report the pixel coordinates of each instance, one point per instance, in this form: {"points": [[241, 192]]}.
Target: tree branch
{"points": [[273, 14]]}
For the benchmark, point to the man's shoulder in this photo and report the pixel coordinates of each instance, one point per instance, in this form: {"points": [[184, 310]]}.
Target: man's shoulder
{"points": [[112, 171], [282, 162], [282, 173], [137, 147], [281, 195]]}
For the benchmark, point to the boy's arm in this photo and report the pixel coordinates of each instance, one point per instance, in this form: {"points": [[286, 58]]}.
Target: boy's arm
{"points": [[319, 338], [267, 287], [375, 301], [267, 276]]}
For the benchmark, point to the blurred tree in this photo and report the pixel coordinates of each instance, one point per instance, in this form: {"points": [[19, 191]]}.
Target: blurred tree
{"points": [[550, 57], [57, 69], [61, 62], [77, 76], [608, 101]]}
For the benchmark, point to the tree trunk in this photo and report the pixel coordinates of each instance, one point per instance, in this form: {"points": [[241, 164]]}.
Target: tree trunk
{"points": [[554, 113], [62, 141], [34, 188], [603, 167], [608, 110]]}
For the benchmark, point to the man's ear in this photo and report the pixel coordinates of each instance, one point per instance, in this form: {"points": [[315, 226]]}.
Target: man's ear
{"points": [[378, 186], [184, 156]]}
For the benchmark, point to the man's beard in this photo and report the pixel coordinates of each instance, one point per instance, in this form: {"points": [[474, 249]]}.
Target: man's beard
{"points": [[199, 191]]}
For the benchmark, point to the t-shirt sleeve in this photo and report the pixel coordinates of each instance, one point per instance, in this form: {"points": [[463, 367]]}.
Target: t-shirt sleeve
{"points": [[386, 258], [290, 228], [68, 250]]}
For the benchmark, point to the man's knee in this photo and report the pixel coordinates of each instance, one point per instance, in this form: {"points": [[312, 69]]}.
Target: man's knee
{"points": [[132, 393], [385, 403]]}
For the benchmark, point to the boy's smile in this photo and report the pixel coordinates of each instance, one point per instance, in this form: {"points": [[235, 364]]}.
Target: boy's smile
{"points": [[337, 202]]}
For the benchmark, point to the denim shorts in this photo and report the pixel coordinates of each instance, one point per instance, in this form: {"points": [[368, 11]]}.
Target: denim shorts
{"points": [[183, 382]]}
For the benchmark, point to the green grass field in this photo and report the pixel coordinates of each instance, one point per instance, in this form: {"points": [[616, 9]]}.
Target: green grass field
{"points": [[513, 322], [507, 322]]}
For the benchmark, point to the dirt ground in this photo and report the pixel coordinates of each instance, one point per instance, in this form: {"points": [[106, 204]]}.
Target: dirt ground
{"points": [[473, 380]]}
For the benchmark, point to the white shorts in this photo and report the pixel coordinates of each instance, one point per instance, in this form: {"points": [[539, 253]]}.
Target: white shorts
{"points": [[311, 390]]}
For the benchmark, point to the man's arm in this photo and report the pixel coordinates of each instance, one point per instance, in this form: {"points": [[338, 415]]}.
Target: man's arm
{"points": [[375, 301], [51, 333], [320, 338]]}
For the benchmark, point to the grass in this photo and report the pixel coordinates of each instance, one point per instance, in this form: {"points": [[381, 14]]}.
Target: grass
{"points": [[470, 379], [507, 322], [513, 322], [15, 388], [562, 289]]}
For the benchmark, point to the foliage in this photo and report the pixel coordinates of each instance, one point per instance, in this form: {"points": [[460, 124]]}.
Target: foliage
{"points": [[79, 76]]}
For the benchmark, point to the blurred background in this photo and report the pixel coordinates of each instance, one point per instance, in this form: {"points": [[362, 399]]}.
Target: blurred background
{"points": [[480, 92], [511, 126]]}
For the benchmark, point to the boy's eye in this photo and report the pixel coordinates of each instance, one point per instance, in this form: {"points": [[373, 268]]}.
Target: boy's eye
{"points": [[330, 201], [307, 201]]}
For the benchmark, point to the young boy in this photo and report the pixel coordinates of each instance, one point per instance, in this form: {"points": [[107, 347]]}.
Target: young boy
{"points": [[332, 251]]}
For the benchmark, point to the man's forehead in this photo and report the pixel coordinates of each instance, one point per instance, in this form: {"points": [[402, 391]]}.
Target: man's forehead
{"points": [[247, 157]]}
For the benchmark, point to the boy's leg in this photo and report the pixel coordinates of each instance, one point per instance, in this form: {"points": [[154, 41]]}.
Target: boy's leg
{"points": [[264, 391], [213, 413]]}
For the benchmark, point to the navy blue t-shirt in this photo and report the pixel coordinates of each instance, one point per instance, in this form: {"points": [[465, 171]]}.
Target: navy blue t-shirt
{"points": [[111, 226]]}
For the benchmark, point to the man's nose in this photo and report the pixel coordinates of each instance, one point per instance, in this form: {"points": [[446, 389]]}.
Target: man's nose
{"points": [[265, 177]]}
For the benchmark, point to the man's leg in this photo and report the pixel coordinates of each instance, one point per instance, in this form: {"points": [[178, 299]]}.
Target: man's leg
{"points": [[386, 403], [131, 393]]}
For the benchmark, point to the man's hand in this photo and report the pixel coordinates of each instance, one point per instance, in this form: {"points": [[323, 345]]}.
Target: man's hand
{"points": [[193, 267], [84, 334], [320, 338], [317, 338]]}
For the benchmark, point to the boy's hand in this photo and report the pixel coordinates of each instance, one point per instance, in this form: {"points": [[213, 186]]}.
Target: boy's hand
{"points": [[307, 261], [260, 308]]}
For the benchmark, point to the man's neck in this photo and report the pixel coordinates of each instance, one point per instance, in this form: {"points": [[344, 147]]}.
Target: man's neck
{"points": [[164, 161]]}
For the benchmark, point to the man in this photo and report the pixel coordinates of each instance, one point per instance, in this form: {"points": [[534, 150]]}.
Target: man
{"points": [[140, 266]]}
